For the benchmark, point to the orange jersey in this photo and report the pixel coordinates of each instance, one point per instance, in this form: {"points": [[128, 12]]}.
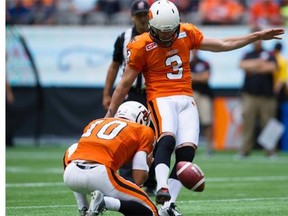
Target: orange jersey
{"points": [[166, 70], [113, 142], [68, 153]]}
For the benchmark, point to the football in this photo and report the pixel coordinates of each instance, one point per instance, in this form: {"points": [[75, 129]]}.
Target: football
{"points": [[191, 176]]}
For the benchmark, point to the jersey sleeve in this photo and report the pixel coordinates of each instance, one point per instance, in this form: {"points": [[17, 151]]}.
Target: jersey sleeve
{"points": [[135, 55], [195, 35]]}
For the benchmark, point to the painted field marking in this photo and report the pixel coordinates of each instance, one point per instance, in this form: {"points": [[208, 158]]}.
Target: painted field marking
{"points": [[180, 202], [224, 180]]}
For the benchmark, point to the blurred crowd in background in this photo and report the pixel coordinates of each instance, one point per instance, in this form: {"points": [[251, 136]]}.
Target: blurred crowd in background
{"points": [[117, 12]]}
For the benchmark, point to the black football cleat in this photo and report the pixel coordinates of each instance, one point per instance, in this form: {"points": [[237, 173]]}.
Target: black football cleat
{"points": [[162, 196]]}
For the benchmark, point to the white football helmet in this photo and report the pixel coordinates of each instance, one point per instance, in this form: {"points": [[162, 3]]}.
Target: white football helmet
{"points": [[164, 16], [133, 111]]}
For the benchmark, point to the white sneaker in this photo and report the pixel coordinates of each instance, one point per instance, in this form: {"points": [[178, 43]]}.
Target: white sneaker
{"points": [[97, 204], [169, 211]]}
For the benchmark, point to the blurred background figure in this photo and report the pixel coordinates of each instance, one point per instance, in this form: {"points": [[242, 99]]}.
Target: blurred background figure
{"points": [[115, 12], [284, 12], [9, 93], [281, 82], [10, 99], [281, 76], [32, 12], [258, 100], [264, 12], [76, 12], [221, 12], [18, 12], [200, 70], [43, 12], [188, 10], [9, 103], [110, 8]]}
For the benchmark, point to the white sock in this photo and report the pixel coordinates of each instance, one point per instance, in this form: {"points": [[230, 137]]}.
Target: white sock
{"points": [[174, 187], [81, 200], [161, 173], [112, 204]]}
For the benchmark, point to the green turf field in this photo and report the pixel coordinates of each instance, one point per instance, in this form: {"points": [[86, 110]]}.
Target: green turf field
{"points": [[254, 186]]}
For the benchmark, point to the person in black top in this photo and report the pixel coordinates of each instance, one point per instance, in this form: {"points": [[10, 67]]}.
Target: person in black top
{"points": [[200, 70], [139, 14], [258, 100]]}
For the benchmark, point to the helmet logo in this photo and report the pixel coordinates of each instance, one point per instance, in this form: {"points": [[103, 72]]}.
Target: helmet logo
{"points": [[145, 115], [150, 15]]}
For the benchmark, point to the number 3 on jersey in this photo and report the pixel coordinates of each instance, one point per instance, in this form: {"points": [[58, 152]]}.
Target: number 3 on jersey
{"points": [[177, 67]]}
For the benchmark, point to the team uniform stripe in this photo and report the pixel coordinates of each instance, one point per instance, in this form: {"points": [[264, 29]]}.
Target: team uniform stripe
{"points": [[126, 186], [131, 189], [156, 117]]}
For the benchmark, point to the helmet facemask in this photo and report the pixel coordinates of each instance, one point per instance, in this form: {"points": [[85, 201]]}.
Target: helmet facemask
{"points": [[164, 42]]}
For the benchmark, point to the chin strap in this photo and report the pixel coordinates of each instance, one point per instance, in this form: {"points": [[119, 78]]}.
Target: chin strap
{"points": [[154, 36]]}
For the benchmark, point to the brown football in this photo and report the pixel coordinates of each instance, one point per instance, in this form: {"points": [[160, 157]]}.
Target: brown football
{"points": [[191, 176]]}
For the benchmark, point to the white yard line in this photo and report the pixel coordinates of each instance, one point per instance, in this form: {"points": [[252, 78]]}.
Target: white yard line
{"points": [[248, 179], [179, 202], [234, 200], [37, 184], [222, 179]]}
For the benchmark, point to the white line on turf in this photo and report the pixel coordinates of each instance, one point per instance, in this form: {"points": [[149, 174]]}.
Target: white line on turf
{"points": [[234, 200], [210, 180], [179, 202]]}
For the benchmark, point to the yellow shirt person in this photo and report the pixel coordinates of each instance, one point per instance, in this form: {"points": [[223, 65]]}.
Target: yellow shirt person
{"points": [[281, 77]]}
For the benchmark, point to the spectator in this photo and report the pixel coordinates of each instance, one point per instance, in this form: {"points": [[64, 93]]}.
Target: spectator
{"points": [[139, 12], [187, 9], [203, 96], [9, 103], [258, 100], [109, 7], [30, 3], [9, 93], [265, 12], [43, 13], [281, 75], [91, 165], [162, 55], [220, 12], [75, 12], [19, 14], [284, 11]]}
